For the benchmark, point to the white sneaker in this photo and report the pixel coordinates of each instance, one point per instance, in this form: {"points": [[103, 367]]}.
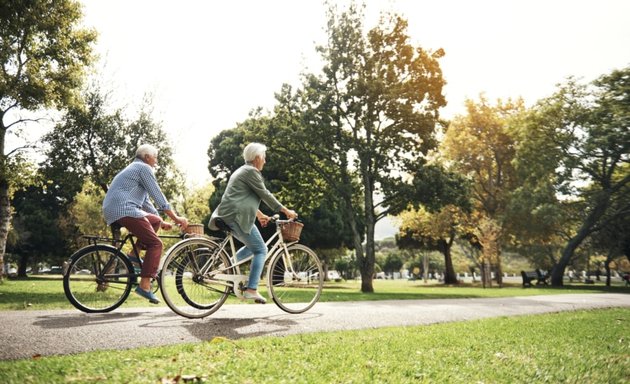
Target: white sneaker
{"points": [[254, 296]]}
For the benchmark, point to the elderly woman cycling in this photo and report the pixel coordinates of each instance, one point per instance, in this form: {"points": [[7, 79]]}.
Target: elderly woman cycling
{"points": [[238, 209]]}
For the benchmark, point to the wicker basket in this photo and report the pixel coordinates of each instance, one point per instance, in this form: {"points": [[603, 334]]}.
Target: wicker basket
{"points": [[194, 229], [291, 231]]}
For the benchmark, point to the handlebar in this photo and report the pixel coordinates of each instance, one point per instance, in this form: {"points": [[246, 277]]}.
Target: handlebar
{"points": [[276, 219]]}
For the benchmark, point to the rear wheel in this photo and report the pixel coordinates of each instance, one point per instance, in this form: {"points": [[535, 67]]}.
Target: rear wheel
{"points": [[186, 278], [295, 279], [98, 279]]}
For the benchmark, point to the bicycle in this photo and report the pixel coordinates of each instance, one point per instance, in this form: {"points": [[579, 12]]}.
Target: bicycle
{"points": [[98, 277], [198, 274]]}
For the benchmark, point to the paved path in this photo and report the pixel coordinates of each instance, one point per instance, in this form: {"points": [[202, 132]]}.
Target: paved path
{"points": [[30, 333]]}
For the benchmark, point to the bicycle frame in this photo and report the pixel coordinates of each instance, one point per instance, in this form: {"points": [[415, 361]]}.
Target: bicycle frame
{"points": [[112, 242], [237, 278]]}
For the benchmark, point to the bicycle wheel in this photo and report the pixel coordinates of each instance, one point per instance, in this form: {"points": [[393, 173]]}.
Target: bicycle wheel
{"points": [[98, 279], [295, 279], [186, 289]]}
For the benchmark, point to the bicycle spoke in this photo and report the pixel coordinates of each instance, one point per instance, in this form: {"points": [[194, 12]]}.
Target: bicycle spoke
{"points": [[98, 279], [295, 279], [186, 288]]}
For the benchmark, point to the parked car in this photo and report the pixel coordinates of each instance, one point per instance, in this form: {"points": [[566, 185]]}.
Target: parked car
{"points": [[55, 270], [12, 272], [333, 275]]}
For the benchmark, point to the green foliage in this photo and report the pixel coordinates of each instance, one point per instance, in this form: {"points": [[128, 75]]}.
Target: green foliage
{"points": [[577, 142], [324, 224], [92, 143], [86, 211], [37, 235], [194, 203], [43, 52]]}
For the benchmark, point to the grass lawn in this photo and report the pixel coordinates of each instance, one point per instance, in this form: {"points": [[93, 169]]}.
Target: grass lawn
{"points": [[583, 346], [570, 347], [47, 292]]}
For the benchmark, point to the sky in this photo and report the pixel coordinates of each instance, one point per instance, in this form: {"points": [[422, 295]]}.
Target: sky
{"points": [[207, 64]]}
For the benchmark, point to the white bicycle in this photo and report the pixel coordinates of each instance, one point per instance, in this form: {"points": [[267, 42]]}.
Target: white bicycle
{"points": [[200, 273]]}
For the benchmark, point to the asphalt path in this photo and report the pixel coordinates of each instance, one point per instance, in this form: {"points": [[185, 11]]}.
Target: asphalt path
{"points": [[27, 334]]}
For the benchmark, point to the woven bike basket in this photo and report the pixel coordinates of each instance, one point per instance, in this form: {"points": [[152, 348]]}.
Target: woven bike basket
{"points": [[194, 229], [291, 231]]}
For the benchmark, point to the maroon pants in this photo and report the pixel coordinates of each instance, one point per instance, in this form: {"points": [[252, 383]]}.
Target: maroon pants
{"points": [[145, 229]]}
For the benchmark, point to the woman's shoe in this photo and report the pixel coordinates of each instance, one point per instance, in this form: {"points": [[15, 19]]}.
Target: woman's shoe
{"points": [[254, 296], [147, 295]]}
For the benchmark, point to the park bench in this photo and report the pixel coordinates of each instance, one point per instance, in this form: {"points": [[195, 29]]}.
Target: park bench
{"points": [[538, 275]]}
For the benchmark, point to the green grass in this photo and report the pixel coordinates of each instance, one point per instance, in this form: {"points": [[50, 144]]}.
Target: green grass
{"points": [[36, 293], [571, 347]]}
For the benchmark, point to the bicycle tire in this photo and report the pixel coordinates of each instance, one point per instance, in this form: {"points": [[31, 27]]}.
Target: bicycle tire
{"points": [[185, 290], [296, 288], [90, 287]]}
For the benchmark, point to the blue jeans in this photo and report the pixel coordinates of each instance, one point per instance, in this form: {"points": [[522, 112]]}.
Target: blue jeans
{"points": [[254, 244]]}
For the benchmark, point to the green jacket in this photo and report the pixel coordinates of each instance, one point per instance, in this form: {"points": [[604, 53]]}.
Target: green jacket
{"points": [[241, 199]]}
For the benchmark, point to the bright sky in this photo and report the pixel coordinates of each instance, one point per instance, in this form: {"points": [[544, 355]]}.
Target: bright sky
{"points": [[208, 63]]}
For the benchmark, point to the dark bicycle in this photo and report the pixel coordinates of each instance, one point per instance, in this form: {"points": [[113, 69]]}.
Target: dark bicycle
{"points": [[99, 277]]}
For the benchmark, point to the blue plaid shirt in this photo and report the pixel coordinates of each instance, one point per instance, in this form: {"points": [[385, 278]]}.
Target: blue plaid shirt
{"points": [[128, 195]]}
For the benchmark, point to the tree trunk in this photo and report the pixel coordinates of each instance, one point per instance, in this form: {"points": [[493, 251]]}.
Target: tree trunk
{"points": [[499, 267], [356, 236], [367, 267], [609, 259], [449, 273], [5, 207], [557, 272], [5, 216]]}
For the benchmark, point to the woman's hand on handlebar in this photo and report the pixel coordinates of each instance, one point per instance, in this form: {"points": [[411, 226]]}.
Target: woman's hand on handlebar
{"points": [[291, 214], [263, 220]]}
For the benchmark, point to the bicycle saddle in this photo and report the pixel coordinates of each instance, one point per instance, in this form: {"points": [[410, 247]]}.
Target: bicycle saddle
{"points": [[222, 225]]}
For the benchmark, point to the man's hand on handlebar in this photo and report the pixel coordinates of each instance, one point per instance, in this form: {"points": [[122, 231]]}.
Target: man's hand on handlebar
{"points": [[166, 226]]}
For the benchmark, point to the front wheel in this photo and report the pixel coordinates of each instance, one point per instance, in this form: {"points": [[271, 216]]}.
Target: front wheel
{"points": [[98, 279], [295, 279], [186, 279]]}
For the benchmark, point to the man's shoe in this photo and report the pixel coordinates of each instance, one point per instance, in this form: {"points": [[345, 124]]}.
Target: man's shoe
{"points": [[254, 296], [147, 295]]}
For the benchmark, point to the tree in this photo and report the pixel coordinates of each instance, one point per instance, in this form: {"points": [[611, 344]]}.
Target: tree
{"points": [[194, 203], [318, 209], [613, 240], [91, 143], [482, 147], [433, 231], [38, 237], [367, 122], [43, 53], [579, 141]]}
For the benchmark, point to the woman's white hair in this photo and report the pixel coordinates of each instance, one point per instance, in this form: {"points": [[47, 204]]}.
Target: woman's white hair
{"points": [[146, 149], [252, 150]]}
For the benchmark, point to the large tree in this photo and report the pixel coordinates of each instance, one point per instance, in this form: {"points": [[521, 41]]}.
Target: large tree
{"points": [[44, 51], [367, 121], [578, 141], [482, 147], [93, 142], [432, 231]]}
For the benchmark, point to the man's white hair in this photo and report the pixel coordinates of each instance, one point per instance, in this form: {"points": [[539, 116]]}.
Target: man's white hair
{"points": [[252, 150], [146, 149]]}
